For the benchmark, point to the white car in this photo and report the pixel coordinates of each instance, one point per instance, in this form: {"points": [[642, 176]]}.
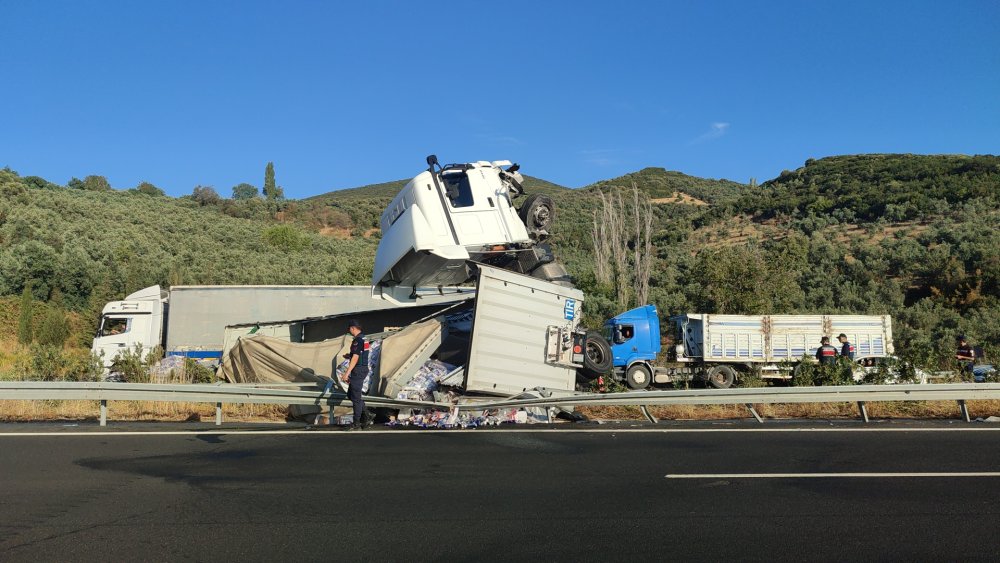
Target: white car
{"points": [[891, 365]]}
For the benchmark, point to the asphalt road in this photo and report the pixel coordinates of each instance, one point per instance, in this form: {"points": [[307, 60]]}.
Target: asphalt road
{"points": [[600, 494]]}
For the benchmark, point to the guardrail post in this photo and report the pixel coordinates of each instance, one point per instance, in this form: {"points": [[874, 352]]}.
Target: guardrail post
{"points": [[965, 410], [753, 411], [649, 416], [864, 411], [104, 412], [218, 414]]}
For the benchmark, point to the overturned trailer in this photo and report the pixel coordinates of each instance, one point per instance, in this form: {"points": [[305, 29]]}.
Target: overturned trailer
{"points": [[515, 333]]}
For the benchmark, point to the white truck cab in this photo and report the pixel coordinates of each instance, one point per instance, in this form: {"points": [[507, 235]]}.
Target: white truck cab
{"points": [[445, 218], [138, 319]]}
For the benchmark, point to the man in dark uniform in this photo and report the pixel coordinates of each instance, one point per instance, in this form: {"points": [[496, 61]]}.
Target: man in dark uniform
{"points": [[826, 354], [357, 371], [965, 354], [846, 348]]}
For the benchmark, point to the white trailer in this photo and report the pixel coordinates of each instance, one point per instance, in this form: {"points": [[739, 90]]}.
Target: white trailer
{"points": [[775, 338], [191, 320], [774, 343]]}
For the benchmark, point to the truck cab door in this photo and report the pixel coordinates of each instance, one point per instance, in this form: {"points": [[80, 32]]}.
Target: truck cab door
{"points": [[477, 211]]}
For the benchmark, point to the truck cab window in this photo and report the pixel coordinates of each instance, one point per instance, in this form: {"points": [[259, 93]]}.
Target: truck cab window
{"points": [[459, 189], [623, 333], [114, 326]]}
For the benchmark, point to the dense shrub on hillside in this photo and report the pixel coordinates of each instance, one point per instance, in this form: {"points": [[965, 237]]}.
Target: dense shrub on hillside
{"points": [[76, 240], [911, 236], [893, 187]]}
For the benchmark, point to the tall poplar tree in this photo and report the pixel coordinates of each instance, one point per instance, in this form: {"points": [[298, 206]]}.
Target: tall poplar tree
{"points": [[272, 191], [270, 188]]}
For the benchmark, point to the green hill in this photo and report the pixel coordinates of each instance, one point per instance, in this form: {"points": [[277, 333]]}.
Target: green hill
{"points": [[897, 187], [662, 184], [77, 240], [909, 235]]}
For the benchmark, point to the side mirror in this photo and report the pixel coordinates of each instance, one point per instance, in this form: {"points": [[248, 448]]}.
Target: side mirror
{"points": [[432, 160]]}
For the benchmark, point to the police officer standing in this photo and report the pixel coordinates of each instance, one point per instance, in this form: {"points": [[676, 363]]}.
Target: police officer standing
{"points": [[357, 371], [965, 354], [846, 348], [826, 354]]}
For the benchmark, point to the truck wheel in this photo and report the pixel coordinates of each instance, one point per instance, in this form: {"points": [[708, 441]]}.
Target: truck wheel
{"points": [[721, 377], [638, 376], [597, 358], [537, 212]]}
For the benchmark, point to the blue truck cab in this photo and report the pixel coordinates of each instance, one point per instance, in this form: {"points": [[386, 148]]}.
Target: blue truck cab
{"points": [[635, 340]]}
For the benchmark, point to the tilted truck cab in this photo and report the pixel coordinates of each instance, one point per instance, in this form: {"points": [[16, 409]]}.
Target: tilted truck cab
{"points": [[448, 219]]}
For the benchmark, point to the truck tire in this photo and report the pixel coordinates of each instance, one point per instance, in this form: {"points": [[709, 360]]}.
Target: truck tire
{"points": [[638, 377], [721, 377], [597, 360], [537, 212]]}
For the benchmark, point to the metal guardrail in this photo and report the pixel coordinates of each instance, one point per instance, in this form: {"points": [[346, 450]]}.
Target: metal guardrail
{"points": [[286, 394], [218, 394]]}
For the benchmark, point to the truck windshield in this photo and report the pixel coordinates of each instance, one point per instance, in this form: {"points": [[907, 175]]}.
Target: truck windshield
{"points": [[112, 326], [459, 189]]}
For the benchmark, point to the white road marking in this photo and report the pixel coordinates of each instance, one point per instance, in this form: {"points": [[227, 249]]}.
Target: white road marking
{"points": [[416, 432], [828, 475]]}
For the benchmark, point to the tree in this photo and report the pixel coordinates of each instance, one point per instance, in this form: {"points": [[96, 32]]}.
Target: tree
{"points": [[148, 189], [743, 280], [25, 326], [245, 191], [96, 183], [75, 183], [623, 247], [205, 195], [54, 330], [269, 185], [271, 190]]}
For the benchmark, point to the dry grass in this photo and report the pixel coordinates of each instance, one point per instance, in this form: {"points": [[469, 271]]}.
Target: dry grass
{"points": [[678, 197], [130, 411], [146, 411], [335, 232], [902, 410]]}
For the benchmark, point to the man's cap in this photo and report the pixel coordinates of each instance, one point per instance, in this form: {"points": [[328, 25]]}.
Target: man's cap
{"points": [[961, 337], [353, 323], [841, 335]]}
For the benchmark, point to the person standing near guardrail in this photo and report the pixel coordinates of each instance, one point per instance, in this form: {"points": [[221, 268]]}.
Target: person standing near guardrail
{"points": [[965, 354], [357, 371], [846, 348], [826, 354]]}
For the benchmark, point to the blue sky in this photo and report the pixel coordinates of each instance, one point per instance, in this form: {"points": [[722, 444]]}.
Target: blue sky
{"points": [[344, 94]]}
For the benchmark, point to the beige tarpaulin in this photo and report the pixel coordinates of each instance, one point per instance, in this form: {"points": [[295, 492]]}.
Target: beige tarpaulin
{"points": [[265, 359]]}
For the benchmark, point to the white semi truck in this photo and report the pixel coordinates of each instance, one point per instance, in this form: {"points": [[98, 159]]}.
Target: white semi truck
{"points": [[450, 221], [455, 231]]}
